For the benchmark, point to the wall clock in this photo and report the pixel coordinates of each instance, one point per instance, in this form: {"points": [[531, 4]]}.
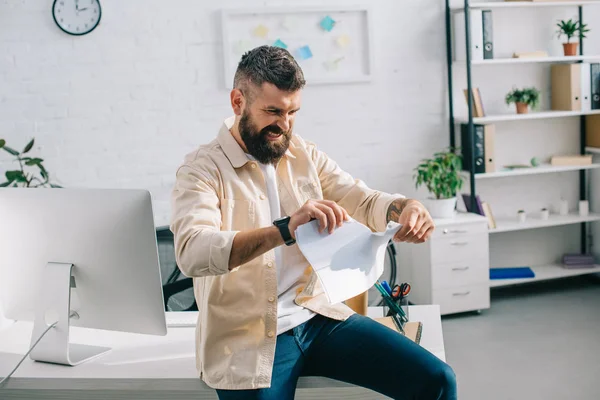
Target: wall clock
{"points": [[76, 17]]}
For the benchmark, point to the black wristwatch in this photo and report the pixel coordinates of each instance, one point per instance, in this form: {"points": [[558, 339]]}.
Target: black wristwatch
{"points": [[283, 225]]}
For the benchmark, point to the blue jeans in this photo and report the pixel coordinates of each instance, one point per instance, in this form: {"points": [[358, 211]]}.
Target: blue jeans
{"points": [[360, 351]]}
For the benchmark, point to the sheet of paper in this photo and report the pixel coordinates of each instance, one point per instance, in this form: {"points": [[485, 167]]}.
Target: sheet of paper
{"points": [[280, 43], [343, 41], [327, 23], [349, 261], [261, 31]]}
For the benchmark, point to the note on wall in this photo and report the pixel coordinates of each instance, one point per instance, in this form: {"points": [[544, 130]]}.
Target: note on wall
{"points": [[330, 44]]}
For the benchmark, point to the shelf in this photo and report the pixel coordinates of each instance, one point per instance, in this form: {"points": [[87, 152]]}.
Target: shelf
{"points": [[532, 60], [530, 115], [520, 4], [542, 169], [545, 272], [593, 150], [533, 222]]}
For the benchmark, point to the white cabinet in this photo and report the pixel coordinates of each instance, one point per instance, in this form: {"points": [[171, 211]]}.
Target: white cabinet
{"points": [[452, 268]]}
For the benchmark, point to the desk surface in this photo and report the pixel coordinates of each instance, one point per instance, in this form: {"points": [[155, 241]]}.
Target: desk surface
{"points": [[148, 363]]}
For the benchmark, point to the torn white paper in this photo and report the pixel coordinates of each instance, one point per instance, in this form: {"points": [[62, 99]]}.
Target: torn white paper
{"points": [[349, 261]]}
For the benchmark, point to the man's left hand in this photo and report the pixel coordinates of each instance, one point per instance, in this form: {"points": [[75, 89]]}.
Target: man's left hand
{"points": [[417, 224]]}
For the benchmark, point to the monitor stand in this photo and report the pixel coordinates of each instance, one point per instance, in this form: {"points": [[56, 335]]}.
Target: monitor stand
{"points": [[54, 304]]}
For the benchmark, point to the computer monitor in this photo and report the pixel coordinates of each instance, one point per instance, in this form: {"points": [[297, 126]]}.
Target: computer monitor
{"points": [[79, 257]]}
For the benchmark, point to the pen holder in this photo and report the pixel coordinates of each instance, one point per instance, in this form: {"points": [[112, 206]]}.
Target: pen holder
{"points": [[403, 303]]}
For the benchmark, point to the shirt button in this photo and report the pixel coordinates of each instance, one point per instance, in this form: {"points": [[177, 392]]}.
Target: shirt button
{"points": [[271, 334], [314, 184], [231, 206], [262, 197], [270, 264], [271, 299], [253, 165]]}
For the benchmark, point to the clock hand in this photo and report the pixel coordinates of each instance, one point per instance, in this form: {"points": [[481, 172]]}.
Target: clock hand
{"points": [[83, 9]]}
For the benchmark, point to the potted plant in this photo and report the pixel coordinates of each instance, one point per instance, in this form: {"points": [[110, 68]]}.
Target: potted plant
{"points": [[29, 168], [521, 216], [523, 98], [442, 177], [569, 29]]}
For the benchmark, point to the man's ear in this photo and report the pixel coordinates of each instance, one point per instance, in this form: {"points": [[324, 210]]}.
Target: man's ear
{"points": [[237, 101]]}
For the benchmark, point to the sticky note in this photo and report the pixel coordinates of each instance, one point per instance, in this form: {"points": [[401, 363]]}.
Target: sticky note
{"points": [[261, 31], [333, 65], [280, 43], [343, 41], [327, 23], [304, 53]]}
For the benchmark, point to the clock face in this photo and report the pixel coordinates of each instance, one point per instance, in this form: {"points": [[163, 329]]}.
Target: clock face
{"points": [[76, 17]]}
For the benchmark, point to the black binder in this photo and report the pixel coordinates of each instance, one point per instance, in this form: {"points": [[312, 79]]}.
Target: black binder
{"points": [[595, 71], [478, 147], [488, 35]]}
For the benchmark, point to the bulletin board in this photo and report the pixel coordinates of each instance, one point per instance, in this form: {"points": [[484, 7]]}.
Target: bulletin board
{"points": [[331, 45]]}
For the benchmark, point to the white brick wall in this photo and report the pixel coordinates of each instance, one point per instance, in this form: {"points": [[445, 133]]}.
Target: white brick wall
{"points": [[121, 106]]}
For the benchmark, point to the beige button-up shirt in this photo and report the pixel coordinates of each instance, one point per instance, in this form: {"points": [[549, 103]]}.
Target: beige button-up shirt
{"points": [[219, 192]]}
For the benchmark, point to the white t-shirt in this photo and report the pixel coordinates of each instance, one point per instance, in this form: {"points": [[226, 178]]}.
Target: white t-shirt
{"points": [[290, 263]]}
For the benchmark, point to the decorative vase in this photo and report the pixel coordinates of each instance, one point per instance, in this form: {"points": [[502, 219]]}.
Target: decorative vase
{"points": [[522, 108], [441, 208], [570, 49]]}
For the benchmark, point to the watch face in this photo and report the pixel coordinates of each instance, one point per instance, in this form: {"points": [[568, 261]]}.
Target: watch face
{"points": [[76, 17]]}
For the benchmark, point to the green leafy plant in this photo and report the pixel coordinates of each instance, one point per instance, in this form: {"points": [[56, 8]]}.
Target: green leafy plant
{"points": [[570, 28], [440, 174], [529, 96], [29, 168]]}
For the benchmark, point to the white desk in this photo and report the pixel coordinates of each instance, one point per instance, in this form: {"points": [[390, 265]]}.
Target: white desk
{"points": [[155, 367]]}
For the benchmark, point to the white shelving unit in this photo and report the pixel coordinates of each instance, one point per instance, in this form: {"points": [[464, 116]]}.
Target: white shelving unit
{"points": [[533, 60], [542, 169], [527, 4], [534, 222], [544, 273], [531, 115], [551, 270]]}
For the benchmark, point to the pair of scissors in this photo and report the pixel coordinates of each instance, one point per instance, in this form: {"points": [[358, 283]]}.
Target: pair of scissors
{"points": [[400, 291]]}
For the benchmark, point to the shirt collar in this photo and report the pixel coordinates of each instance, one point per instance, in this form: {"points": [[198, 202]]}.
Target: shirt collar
{"points": [[232, 149]]}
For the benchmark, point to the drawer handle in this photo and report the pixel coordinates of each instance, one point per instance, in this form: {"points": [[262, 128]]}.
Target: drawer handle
{"points": [[446, 231], [460, 268], [462, 293], [459, 243]]}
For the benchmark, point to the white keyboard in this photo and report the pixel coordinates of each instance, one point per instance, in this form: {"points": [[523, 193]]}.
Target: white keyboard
{"points": [[181, 319]]}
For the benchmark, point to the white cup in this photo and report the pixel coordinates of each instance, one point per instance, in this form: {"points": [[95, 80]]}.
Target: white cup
{"points": [[584, 208], [563, 208]]}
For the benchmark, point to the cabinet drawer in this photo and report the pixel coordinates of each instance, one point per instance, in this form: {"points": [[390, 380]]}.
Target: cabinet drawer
{"points": [[463, 298], [458, 230], [468, 272], [464, 248]]}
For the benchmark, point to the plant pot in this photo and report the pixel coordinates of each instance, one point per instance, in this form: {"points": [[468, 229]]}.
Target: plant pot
{"points": [[441, 208], [522, 108], [570, 49], [521, 217]]}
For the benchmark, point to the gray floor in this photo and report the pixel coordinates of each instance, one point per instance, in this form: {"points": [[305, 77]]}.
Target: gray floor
{"points": [[538, 341]]}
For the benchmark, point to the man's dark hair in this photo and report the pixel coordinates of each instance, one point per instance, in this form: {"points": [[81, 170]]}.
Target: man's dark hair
{"points": [[269, 64]]}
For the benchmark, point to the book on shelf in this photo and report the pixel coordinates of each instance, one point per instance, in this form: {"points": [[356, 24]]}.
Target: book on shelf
{"points": [[487, 210], [478, 205], [482, 35], [531, 54], [478, 110], [575, 260], [483, 148], [575, 159], [575, 87], [511, 273], [592, 130]]}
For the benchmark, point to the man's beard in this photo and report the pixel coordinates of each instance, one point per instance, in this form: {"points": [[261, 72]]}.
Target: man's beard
{"points": [[257, 144]]}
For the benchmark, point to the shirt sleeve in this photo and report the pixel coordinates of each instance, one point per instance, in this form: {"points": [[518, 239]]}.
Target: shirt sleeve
{"points": [[201, 248], [365, 205]]}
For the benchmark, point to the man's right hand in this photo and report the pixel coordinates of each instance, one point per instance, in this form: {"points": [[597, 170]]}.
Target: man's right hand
{"points": [[327, 212]]}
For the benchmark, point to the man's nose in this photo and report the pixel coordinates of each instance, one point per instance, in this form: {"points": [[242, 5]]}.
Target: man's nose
{"points": [[284, 123]]}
